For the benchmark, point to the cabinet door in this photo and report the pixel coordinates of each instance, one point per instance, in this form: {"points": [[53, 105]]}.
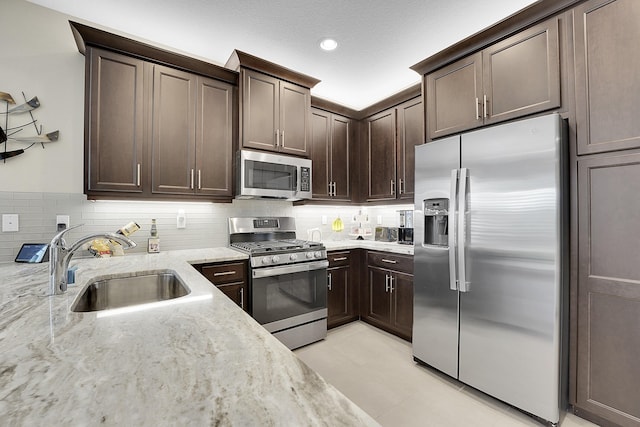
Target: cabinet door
{"points": [[115, 102], [607, 60], [340, 146], [173, 139], [295, 129], [214, 157], [454, 96], [522, 74], [402, 311], [410, 134], [608, 372], [236, 292], [320, 142], [260, 112], [338, 300], [381, 156], [378, 304]]}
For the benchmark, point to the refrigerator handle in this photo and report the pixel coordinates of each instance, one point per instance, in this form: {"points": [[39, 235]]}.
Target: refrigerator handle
{"points": [[453, 277], [461, 230]]}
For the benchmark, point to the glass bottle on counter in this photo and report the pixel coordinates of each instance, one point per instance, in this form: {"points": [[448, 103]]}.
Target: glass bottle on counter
{"points": [[154, 241]]}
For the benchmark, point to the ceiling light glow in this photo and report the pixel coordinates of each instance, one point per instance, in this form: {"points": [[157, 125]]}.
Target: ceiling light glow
{"points": [[328, 44]]}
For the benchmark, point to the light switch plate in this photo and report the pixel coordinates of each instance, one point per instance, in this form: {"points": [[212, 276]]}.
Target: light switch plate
{"points": [[62, 222], [10, 222]]}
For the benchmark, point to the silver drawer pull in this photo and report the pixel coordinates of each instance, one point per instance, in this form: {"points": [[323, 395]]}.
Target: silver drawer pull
{"points": [[242, 298], [340, 259], [390, 261], [224, 273]]}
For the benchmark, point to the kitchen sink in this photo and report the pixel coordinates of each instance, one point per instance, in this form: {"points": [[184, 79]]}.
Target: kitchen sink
{"points": [[129, 290]]}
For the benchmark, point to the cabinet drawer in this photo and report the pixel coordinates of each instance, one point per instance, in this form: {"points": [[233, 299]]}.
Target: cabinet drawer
{"points": [[402, 263], [337, 259], [225, 273]]}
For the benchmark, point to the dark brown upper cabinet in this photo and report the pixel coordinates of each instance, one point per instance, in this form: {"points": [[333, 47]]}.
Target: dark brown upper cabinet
{"points": [[114, 131], [154, 131], [191, 142], [607, 60], [276, 106], [391, 137], [330, 147], [512, 78], [410, 130]]}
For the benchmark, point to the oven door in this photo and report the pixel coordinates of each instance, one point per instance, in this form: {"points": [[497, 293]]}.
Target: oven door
{"points": [[287, 296]]}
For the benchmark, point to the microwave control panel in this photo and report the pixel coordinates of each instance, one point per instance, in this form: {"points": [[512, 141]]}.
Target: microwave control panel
{"points": [[305, 179]]}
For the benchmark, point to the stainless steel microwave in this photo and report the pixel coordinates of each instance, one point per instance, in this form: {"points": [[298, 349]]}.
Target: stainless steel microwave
{"points": [[272, 175]]}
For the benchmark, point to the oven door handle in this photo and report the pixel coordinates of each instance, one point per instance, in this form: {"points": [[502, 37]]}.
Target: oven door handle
{"points": [[288, 269]]}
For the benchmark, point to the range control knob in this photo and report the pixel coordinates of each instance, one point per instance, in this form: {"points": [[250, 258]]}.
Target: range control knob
{"points": [[293, 257], [318, 254], [265, 260], [309, 254], [275, 259]]}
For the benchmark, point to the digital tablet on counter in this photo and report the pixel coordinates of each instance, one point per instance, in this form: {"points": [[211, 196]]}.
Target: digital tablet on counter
{"points": [[33, 253]]}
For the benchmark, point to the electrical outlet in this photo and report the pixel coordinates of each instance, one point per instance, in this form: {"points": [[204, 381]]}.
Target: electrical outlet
{"points": [[379, 219], [62, 222], [324, 220], [10, 222], [181, 219]]}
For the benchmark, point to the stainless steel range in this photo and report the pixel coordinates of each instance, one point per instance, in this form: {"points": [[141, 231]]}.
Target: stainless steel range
{"points": [[288, 278]]}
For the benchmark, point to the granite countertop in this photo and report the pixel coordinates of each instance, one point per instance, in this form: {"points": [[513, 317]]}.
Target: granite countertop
{"points": [[393, 247], [195, 360]]}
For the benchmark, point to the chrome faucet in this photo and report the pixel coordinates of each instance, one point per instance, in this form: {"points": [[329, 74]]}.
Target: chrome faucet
{"points": [[60, 255]]}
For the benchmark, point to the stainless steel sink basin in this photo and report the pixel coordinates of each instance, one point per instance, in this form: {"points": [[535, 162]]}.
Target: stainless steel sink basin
{"points": [[124, 291]]}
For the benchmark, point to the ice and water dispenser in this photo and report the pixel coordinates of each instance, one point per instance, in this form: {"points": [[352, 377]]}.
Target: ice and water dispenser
{"points": [[436, 222]]}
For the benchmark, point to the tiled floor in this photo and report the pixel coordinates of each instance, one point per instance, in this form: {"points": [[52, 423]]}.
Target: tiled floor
{"points": [[376, 371]]}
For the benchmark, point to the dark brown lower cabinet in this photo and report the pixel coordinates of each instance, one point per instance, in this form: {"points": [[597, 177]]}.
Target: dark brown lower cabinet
{"points": [[341, 288], [387, 297], [608, 344], [230, 278]]}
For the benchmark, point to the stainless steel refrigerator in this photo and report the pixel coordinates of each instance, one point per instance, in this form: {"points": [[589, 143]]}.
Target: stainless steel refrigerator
{"points": [[490, 262]]}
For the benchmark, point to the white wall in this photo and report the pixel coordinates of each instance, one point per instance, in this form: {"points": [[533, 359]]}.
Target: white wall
{"points": [[40, 58]]}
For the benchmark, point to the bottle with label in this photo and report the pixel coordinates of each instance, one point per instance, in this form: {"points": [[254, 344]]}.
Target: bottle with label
{"points": [[154, 241]]}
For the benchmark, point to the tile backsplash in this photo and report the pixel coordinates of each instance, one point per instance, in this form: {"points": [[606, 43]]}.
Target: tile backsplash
{"points": [[206, 223]]}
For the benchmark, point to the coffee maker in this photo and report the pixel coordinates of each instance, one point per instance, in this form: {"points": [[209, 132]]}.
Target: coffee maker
{"points": [[405, 229]]}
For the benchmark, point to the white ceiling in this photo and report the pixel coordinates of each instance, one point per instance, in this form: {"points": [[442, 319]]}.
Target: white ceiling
{"points": [[378, 39]]}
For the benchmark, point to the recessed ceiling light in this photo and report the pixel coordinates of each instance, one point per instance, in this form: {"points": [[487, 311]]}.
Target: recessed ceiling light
{"points": [[328, 44]]}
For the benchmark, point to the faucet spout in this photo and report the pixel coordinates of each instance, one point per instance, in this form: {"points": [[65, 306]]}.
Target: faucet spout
{"points": [[60, 255]]}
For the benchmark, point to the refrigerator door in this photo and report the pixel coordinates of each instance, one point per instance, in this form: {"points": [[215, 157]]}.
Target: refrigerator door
{"points": [[510, 315], [435, 315]]}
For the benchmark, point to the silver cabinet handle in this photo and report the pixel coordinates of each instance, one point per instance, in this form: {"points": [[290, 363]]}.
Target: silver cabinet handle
{"points": [[223, 273], [393, 187], [391, 284], [242, 298], [192, 179], [462, 207], [340, 259], [390, 261], [335, 190], [329, 281], [484, 107], [199, 179], [277, 137], [451, 219], [283, 138], [478, 109], [400, 184], [138, 175], [386, 283]]}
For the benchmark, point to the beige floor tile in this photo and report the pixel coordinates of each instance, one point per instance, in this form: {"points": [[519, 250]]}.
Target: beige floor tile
{"points": [[376, 370]]}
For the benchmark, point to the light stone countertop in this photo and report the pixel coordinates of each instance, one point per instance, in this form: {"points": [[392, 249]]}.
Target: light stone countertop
{"points": [[197, 360], [392, 247]]}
